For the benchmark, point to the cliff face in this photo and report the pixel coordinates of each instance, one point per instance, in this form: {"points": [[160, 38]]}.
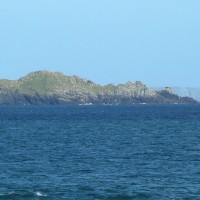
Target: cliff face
{"points": [[43, 87]]}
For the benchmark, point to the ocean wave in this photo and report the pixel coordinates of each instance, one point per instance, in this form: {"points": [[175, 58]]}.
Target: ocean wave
{"points": [[21, 194], [40, 194]]}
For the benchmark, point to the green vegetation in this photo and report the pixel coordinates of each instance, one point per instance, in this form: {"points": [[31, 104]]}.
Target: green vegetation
{"points": [[43, 87]]}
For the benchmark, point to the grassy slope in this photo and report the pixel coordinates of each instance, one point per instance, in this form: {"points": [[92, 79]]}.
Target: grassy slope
{"points": [[47, 83]]}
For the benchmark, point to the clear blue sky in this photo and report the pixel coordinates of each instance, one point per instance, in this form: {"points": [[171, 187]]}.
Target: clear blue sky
{"points": [[108, 41]]}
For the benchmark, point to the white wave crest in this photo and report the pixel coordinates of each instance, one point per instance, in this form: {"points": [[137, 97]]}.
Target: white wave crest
{"points": [[40, 194]]}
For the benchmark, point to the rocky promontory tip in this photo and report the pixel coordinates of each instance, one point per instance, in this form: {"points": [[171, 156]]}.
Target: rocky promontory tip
{"points": [[44, 87]]}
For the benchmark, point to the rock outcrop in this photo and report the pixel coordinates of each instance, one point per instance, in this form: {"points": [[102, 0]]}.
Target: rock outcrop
{"points": [[43, 87]]}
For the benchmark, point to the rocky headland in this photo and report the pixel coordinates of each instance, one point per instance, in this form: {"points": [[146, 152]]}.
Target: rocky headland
{"points": [[44, 87]]}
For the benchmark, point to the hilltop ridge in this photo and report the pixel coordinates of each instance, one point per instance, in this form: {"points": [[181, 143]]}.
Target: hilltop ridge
{"points": [[44, 87]]}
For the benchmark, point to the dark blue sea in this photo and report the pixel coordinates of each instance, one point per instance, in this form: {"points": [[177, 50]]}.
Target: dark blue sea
{"points": [[100, 152]]}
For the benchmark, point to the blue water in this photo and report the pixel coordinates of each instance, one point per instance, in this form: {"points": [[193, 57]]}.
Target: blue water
{"points": [[100, 152]]}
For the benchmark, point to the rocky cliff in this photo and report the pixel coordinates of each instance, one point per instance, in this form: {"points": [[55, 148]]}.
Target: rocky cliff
{"points": [[43, 87]]}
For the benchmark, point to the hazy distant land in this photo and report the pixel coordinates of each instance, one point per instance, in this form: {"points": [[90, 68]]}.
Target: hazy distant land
{"points": [[44, 87], [184, 92]]}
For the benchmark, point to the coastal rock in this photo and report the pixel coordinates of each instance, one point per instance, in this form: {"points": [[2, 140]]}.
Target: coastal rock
{"points": [[44, 87]]}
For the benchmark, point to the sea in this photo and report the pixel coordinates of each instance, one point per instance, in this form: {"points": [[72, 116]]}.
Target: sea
{"points": [[100, 152]]}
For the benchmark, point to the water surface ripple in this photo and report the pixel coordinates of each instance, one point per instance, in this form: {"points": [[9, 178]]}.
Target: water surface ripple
{"points": [[100, 152]]}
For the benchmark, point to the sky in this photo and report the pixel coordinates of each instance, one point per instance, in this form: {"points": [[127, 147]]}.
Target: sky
{"points": [[107, 41]]}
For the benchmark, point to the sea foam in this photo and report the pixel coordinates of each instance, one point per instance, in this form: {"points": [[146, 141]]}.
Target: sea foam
{"points": [[40, 194]]}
